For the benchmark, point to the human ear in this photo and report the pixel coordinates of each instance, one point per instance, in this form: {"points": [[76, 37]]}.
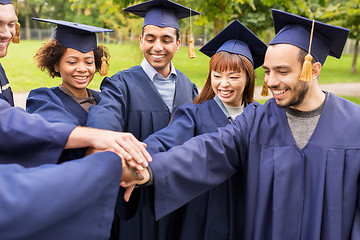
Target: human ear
{"points": [[316, 69], [178, 43]]}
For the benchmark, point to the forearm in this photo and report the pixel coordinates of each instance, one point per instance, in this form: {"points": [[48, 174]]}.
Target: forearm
{"points": [[81, 137], [124, 144]]}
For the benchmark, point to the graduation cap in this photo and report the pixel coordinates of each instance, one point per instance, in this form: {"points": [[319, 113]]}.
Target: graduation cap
{"points": [[238, 39], [77, 36], [161, 13], [295, 30], [316, 38], [4, 2]]}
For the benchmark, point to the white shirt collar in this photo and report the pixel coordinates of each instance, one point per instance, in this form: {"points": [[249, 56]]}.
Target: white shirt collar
{"points": [[151, 72]]}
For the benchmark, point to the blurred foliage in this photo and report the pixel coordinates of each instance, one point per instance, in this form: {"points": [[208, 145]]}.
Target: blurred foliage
{"points": [[215, 15]]}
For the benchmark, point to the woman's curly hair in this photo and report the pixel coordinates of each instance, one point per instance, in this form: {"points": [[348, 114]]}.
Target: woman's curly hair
{"points": [[48, 56]]}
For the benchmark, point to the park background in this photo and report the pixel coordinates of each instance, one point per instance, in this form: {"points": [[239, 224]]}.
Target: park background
{"points": [[123, 43]]}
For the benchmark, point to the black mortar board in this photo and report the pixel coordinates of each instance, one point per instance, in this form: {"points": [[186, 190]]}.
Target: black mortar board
{"points": [[237, 38], [5, 2], [296, 30], [77, 36], [161, 13]]}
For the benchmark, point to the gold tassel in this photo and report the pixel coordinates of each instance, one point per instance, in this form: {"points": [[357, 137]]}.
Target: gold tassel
{"points": [[104, 67], [306, 71], [16, 38], [191, 48], [191, 42], [265, 90]]}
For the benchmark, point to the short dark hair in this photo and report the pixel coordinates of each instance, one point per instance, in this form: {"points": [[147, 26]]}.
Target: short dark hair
{"points": [[177, 33], [48, 56], [302, 55]]}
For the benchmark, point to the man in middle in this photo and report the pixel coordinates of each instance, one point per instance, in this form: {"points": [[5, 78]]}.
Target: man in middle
{"points": [[142, 98]]}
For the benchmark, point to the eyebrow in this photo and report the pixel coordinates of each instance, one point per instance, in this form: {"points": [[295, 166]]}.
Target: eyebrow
{"points": [[7, 22], [277, 67], [78, 58], [167, 36], [149, 35], [163, 36]]}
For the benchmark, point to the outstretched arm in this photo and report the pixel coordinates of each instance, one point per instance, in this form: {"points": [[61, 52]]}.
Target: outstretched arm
{"points": [[182, 127], [125, 144], [56, 201]]}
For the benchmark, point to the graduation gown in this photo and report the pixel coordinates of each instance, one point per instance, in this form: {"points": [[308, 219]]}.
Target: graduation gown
{"points": [[136, 104], [73, 200], [212, 214], [290, 193], [130, 102], [6, 92], [28, 139], [56, 106]]}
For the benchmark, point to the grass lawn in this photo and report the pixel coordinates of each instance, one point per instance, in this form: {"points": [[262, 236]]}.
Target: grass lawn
{"points": [[24, 74]]}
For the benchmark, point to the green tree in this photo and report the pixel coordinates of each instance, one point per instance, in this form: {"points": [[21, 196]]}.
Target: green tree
{"points": [[346, 14]]}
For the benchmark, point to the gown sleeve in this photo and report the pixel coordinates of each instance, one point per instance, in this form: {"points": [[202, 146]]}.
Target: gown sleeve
{"points": [[111, 110], [195, 91], [73, 200], [28, 139], [201, 163], [44, 102], [182, 127]]}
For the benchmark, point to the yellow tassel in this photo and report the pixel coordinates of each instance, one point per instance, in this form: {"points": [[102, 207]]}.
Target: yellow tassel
{"points": [[16, 38], [191, 42], [104, 67], [306, 72], [191, 48], [265, 90]]}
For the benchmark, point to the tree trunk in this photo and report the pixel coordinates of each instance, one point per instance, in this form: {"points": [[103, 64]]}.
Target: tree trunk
{"points": [[353, 66], [219, 23], [27, 22]]}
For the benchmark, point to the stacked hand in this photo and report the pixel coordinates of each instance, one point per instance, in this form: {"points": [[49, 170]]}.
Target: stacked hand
{"points": [[133, 153], [124, 144], [132, 180]]}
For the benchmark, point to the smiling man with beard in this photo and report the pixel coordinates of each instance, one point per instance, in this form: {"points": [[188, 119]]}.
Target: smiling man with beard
{"points": [[299, 153]]}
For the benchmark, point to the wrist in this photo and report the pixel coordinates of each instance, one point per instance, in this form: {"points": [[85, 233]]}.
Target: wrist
{"points": [[150, 181]]}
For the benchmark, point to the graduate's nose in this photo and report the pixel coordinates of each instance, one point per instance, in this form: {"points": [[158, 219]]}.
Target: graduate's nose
{"points": [[271, 80], [81, 67], [224, 82], [158, 45]]}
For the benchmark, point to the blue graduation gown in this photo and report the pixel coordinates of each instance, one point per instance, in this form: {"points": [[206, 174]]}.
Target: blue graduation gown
{"points": [[130, 102], [73, 200], [135, 102], [6, 93], [56, 106], [28, 139], [210, 215], [290, 193]]}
